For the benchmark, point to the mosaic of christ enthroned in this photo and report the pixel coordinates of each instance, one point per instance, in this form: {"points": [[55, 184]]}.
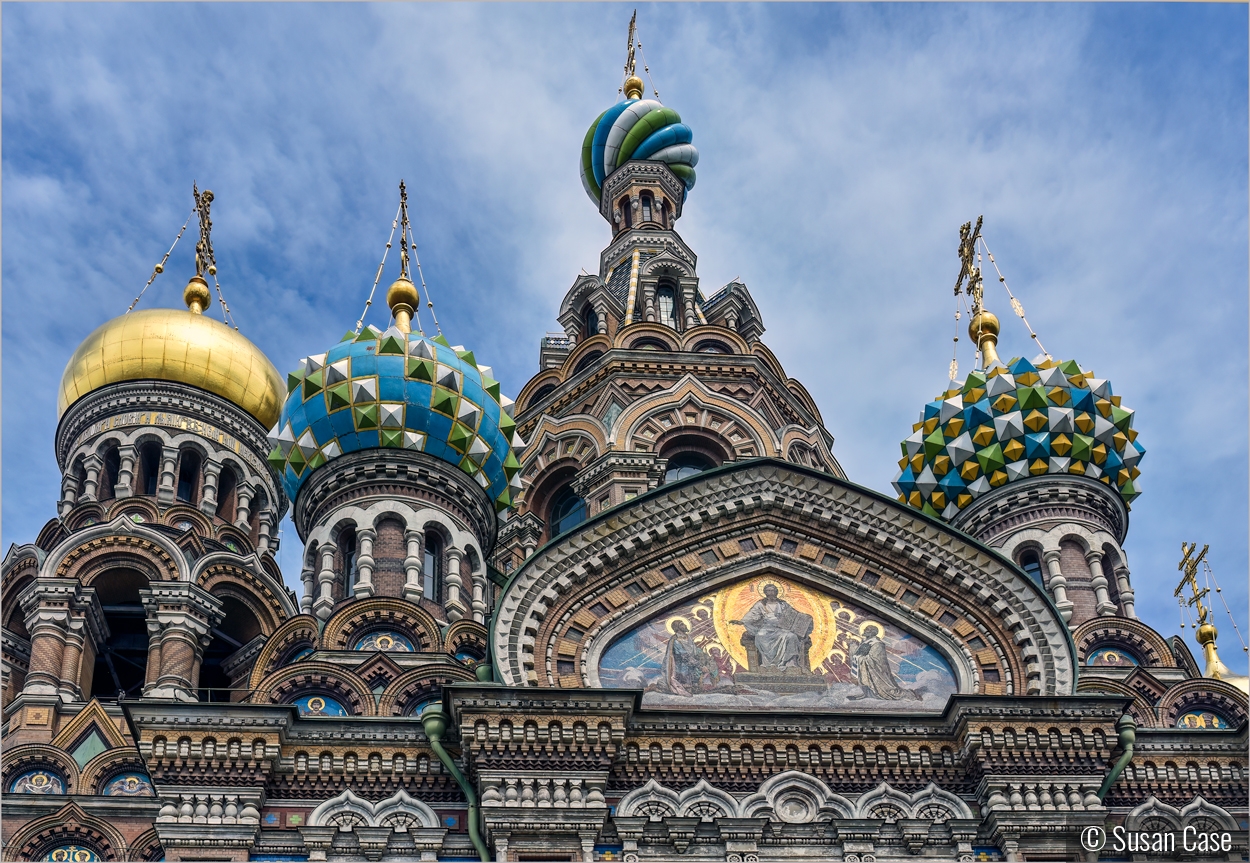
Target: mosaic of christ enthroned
{"points": [[769, 641]]}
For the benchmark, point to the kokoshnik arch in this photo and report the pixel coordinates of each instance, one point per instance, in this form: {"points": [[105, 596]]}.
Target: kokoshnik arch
{"points": [[639, 614]]}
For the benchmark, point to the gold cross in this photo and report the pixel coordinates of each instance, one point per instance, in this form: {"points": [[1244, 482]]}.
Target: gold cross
{"points": [[1189, 566], [204, 260], [968, 237], [629, 57]]}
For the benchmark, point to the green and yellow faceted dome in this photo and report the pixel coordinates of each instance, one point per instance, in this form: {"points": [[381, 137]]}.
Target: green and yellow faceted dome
{"points": [[397, 390], [1014, 421]]}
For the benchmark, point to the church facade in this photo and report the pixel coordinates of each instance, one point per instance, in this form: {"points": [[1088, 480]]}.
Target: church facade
{"points": [[640, 613]]}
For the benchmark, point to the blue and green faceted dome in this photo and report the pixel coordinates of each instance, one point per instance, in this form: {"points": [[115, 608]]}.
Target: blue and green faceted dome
{"points": [[402, 391], [1014, 421], [636, 130]]}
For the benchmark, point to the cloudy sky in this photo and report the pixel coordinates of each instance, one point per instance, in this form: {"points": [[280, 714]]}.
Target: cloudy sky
{"points": [[842, 146]]}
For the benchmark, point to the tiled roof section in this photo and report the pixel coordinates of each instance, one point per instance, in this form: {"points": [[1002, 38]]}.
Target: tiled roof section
{"points": [[618, 282], [710, 302]]}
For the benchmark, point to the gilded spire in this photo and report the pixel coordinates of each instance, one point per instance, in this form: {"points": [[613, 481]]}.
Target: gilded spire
{"points": [[196, 294], [983, 328], [1205, 631], [633, 84], [402, 296]]}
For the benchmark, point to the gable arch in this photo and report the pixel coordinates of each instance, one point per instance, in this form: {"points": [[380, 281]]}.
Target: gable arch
{"points": [[690, 392], [297, 631], [68, 825], [85, 554], [641, 331], [290, 682], [357, 617], [1142, 641]]}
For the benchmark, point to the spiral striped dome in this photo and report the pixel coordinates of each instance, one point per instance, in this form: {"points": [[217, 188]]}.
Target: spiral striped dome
{"points": [[639, 130]]}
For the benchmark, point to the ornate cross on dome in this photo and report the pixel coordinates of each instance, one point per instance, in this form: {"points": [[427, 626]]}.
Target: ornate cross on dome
{"points": [[629, 57], [204, 260], [1189, 566], [968, 237]]}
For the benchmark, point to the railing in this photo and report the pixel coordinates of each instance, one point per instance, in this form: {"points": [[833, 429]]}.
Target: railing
{"points": [[558, 341]]}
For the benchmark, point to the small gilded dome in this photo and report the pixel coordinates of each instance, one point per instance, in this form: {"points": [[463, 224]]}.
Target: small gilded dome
{"points": [[636, 129], [399, 390], [175, 345], [1012, 422]]}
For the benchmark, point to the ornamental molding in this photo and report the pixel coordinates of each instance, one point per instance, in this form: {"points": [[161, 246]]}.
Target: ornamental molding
{"points": [[911, 542], [399, 810]]}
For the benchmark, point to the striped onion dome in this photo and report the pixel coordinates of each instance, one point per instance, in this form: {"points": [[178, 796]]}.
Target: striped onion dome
{"points": [[636, 129]]}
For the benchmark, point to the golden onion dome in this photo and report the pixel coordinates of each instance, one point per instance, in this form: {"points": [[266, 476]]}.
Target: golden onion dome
{"points": [[177, 345]]}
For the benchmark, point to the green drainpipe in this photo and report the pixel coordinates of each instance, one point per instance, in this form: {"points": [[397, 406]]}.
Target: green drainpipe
{"points": [[1128, 736], [435, 723]]}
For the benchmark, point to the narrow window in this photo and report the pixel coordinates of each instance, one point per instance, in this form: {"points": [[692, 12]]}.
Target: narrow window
{"points": [[227, 485], [432, 567], [108, 480], [592, 321], [627, 212], [646, 208], [664, 299], [567, 511], [1031, 566], [188, 475], [150, 465]]}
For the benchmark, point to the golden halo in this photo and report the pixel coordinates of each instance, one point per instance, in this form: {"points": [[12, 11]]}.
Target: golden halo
{"points": [[39, 779], [384, 642], [758, 587], [875, 625], [316, 703], [668, 624]]}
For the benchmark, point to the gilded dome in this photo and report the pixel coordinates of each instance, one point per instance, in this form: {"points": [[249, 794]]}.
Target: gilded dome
{"points": [[175, 345]]}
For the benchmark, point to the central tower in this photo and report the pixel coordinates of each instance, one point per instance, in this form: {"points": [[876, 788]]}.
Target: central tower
{"points": [[650, 379]]}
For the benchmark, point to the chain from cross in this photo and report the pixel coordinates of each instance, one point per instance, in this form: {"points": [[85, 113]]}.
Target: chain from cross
{"points": [[968, 269], [1189, 566], [204, 260]]}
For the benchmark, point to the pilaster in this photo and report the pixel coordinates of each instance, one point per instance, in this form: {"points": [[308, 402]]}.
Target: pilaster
{"points": [[181, 617]]}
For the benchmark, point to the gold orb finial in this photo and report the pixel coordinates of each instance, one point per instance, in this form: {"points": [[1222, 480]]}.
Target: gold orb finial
{"points": [[634, 87], [403, 299], [196, 295], [983, 329]]}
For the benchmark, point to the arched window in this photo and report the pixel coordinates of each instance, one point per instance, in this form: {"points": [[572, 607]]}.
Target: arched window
{"points": [[627, 212], [432, 567], [347, 546], [227, 485], [108, 477], [686, 464], [188, 475], [567, 511], [121, 662], [663, 214], [1032, 566], [591, 319], [711, 346], [149, 467], [665, 300], [646, 206]]}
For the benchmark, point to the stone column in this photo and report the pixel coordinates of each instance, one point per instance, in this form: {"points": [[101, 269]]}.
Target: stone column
{"points": [[455, 605], [306, 601], [86, 622], [91, 485], [125, 472], [365, 538], [648, 301], [479, 598], [325, 581], [69, 493], [166, 486], [1126, 591], [46, 605], [185, 615], [208, 497], [1105, 606], [1058, 584], [601, 312], [687, 304], [413, 562], [264, 532], [243, 511]]}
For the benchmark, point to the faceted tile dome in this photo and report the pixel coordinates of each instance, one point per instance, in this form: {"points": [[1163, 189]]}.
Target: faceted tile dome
{"points": [[398, 390], [639, 130], [1015, 421]]}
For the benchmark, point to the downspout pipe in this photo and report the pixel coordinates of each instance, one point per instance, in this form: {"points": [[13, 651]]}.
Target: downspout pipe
{"points": [[435, 724], [1127, 728]]}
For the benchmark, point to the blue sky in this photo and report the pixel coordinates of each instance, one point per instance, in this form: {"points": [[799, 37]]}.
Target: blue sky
{"points": [[842, 146]]}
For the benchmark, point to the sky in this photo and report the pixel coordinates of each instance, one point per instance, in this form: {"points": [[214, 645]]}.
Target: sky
{"points": [[841, 146]]}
